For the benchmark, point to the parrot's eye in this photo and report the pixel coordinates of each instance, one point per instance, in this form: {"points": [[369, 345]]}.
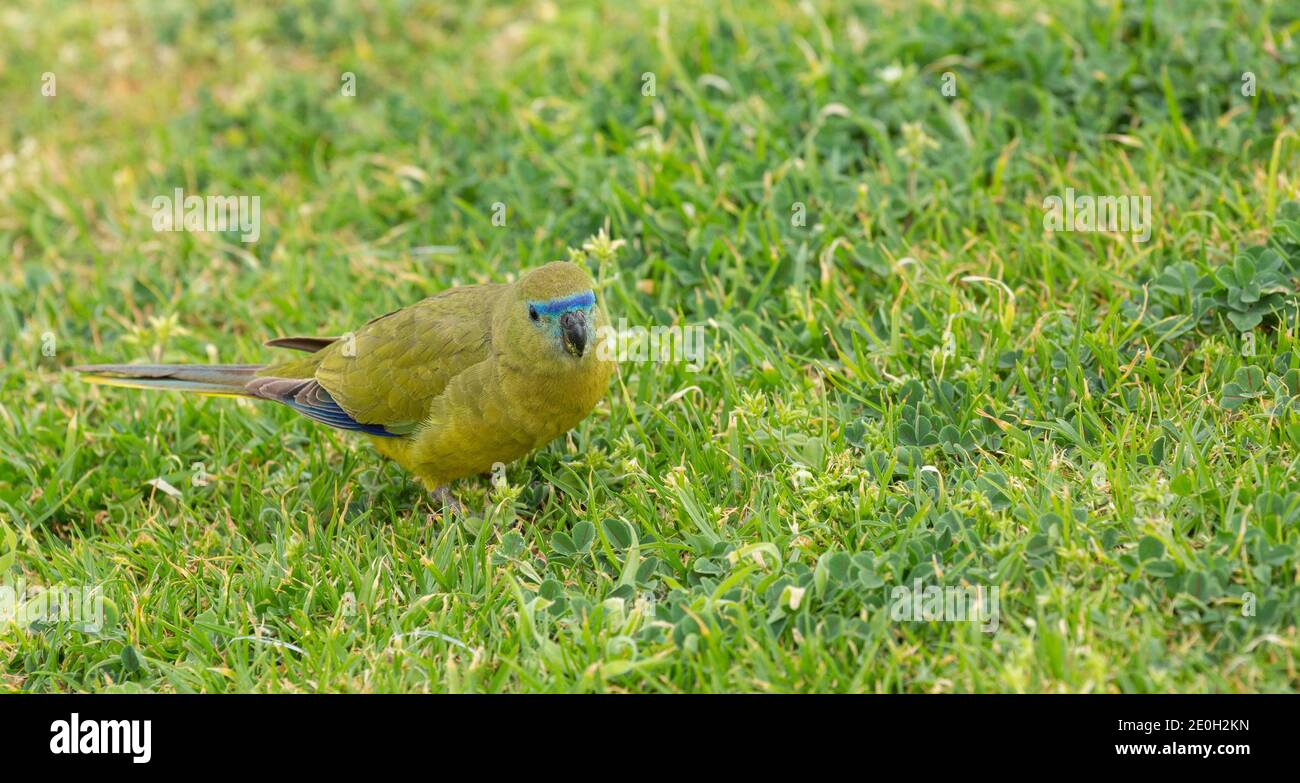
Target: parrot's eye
{"points": [[532, 312]]}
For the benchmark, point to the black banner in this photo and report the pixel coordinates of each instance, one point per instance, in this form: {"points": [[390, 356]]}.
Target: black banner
{"points": [[293, 733]]}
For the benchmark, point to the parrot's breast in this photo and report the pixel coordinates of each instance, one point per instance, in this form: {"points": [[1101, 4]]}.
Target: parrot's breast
{"points": [[496, 413]]}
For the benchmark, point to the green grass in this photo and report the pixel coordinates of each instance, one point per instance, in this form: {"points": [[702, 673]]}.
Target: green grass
{"points": [[918, 383]]}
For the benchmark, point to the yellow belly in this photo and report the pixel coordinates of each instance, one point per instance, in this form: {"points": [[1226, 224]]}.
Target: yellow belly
{"points": [[485, 417]]}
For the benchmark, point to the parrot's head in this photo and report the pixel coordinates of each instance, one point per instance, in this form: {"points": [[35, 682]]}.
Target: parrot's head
{"points": [[554, 315]]}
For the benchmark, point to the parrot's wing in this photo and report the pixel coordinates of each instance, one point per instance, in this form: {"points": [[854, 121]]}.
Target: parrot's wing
{"points": [[389, 372], [311, 400]]}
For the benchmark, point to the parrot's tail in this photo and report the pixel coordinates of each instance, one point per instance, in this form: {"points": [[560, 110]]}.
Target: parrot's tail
{"points": [[225, 380], [304, 395]]}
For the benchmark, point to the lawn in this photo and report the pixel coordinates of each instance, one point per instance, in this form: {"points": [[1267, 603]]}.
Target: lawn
{"points": [[915, 381]]}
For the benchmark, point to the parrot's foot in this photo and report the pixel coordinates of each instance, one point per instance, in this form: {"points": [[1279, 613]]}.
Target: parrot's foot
{"points": [[451, 507]]}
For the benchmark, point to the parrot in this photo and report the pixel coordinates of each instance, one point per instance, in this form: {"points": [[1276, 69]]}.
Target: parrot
{"points": [[448, 387]]}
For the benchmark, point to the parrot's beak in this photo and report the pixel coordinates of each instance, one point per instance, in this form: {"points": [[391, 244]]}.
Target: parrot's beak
{"points": [[573, 325]]}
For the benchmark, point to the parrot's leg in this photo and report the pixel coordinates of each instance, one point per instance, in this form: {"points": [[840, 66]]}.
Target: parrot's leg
{"points": [[451, 507], [399, 451]]}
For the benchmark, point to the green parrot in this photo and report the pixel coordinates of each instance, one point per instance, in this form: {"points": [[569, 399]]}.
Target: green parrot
{"points": [[447, 387]]}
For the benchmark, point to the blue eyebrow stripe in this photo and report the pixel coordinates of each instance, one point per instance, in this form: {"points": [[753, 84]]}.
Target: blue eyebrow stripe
{"points": [[554, 306]]}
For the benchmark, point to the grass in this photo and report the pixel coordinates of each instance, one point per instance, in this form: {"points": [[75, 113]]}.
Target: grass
{"points": [[916, 381]]}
